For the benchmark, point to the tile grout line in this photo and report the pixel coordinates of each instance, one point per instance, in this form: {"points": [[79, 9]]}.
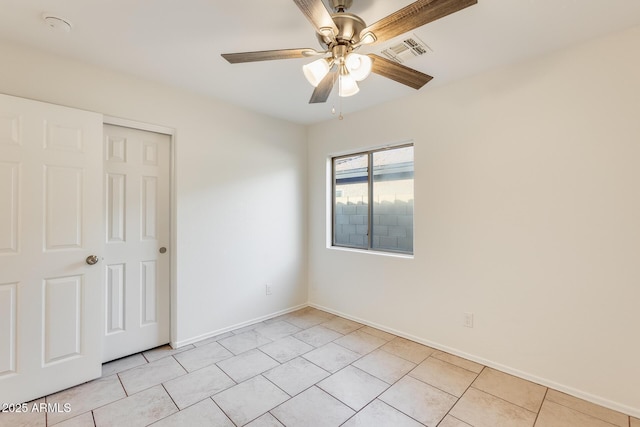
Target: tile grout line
{"points": [[442, 390], [328, 372], [505, 400], [126, 393], [477, 374], [280, 404], [541, 404], [278, 387], [459, 398], [390, 385], [219, 407], [362, 356], [172, 400], [587, 414], [275, 416], [281, 364], [187, 372]]}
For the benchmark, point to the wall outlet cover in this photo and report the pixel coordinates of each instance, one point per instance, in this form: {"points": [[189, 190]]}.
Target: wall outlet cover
{"points": [[468, 320]]}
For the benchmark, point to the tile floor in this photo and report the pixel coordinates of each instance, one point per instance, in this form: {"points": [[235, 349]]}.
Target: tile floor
{"points": [[311, 368]]}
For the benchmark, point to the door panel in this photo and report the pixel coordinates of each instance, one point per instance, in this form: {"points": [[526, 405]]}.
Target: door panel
{"points": [[137, 170], [8, 328], [148, 285], [116, 184], [10, 125], [149, 206], [115, 298], [9, 184], [63, 207], [62, 312], [50, 221]]}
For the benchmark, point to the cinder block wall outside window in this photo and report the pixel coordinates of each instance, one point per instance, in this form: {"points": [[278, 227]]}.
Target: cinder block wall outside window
{"points": [[392, 224]]}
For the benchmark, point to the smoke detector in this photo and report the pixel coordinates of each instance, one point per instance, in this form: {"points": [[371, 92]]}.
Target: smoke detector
{"points": [[57, 23]]}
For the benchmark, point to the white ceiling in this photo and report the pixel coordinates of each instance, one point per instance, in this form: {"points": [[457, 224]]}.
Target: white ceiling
{"points": [[180, 42]]}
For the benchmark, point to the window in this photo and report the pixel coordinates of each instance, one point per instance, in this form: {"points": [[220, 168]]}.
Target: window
{"points": [[384, 177]]}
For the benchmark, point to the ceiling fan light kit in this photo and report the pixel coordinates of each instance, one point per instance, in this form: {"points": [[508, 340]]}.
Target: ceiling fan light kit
{"points": [[316, 71], [359, 66], [347, 85], [342, 33], [352, 68]]}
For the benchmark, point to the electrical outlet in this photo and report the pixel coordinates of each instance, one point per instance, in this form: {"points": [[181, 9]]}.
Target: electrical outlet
{"points": [[468, 320], [267, 289]]}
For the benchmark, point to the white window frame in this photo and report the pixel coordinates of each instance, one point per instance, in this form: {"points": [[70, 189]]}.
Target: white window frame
{"points": [[370, 211]]}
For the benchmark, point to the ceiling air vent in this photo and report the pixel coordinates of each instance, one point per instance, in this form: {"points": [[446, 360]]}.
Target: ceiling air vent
{"points": [[406, 49]]}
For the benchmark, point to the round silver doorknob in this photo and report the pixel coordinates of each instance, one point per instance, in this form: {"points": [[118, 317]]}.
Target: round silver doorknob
{"points": [[92, 259]]}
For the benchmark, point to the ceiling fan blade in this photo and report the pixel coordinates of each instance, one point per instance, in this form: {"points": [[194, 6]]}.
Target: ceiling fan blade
{"points": [[268, 55], [322, 92], [413, 16], [400, 73], [319, 16]]}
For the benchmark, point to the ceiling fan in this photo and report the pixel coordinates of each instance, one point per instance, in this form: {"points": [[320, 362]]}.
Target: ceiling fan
{"points": [[341, 34]]}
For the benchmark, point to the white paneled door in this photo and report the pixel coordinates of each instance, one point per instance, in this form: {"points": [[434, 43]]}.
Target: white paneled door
{"points": [[137, 253], [51, 225]]}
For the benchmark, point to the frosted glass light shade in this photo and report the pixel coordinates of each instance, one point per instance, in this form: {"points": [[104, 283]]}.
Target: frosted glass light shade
{"points": [[347, 86], [359, 66], [316, 71]]}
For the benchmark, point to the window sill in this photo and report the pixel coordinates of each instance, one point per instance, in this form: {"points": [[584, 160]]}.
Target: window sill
{"points": [[372, 252]]}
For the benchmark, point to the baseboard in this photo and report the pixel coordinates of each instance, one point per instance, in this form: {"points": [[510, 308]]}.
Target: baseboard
{"points": [[182, 343], [634, 412]]}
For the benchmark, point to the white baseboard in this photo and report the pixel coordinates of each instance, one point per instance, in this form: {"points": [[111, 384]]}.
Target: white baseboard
{"points": [[627, 410], [178, 344]]}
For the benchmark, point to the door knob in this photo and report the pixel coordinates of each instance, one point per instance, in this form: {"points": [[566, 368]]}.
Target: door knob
{"points": [[92, 259], [163, 250]]}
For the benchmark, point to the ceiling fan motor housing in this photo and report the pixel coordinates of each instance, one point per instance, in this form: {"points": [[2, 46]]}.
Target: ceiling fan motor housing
{"points": [[349, 28], [341, 5]]}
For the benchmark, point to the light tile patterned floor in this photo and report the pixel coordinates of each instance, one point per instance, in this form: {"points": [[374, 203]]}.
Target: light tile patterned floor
{"points": [[311, 368]]}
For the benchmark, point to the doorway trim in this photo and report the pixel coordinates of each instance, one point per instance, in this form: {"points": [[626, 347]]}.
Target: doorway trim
{"points": [[171, 132]]}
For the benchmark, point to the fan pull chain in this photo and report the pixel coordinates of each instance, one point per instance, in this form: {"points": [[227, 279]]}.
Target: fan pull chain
{"points": [[333, 107], [333, 110]]}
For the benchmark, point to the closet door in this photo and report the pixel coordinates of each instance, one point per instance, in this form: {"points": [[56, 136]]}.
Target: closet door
{"points": [[51, 244], [137, 258]]}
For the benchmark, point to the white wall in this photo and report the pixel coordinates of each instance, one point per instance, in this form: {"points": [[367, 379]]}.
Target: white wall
{"points": [[233, 168], [527, 213]]}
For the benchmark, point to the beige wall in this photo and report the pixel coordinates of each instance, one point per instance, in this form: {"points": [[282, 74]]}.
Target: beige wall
{"points": [[527, 213], [233, 168]]}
